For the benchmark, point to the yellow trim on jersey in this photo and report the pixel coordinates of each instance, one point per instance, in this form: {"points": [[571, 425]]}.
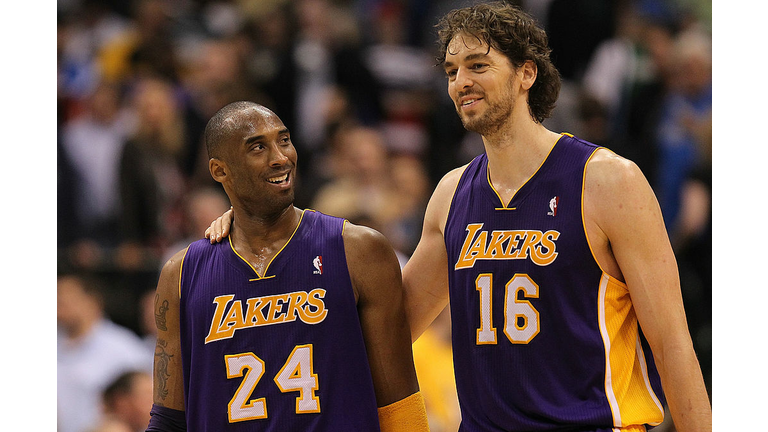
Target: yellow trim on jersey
{"points": [[260, 277], [181, 268], [584, 219], [627, 387], [506, 206], [456, 188]]}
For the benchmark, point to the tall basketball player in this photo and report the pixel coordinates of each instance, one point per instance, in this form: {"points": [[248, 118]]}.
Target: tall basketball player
{"points": [[564, 292], [296, 323]]}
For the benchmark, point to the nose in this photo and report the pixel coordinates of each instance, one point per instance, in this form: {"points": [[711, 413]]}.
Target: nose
{"points": [[463, 79], [277, 157]]}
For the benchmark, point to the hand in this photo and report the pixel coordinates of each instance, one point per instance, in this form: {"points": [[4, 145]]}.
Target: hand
{"points": [[220, 227]]}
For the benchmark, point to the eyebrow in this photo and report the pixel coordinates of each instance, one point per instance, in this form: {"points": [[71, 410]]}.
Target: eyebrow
{"points": [[256, 138], [470, 57]]}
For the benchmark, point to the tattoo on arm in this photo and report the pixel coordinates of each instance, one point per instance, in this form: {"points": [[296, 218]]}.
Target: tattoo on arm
{"points": [[160, 313], [162, 359]]}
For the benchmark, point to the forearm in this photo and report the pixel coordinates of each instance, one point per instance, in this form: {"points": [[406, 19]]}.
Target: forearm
{"points": [[684, 389], [422, 309], [425, 284]]}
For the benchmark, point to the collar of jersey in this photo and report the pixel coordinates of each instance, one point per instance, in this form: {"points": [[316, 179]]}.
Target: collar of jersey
{"points": [[266, 269]]}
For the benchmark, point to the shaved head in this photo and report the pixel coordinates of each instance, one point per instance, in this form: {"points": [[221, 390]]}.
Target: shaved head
{"points": [[226, 121]]}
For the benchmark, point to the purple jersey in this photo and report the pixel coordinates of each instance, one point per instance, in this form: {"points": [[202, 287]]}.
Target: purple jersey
{"points": [[543, 339], [281, 351]]}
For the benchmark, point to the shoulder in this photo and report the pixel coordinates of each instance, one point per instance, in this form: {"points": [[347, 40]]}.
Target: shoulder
{"points": [[610, 174], [616, 191], [447, 184], [359, 239], [371, 260], [171, 272], [440, 203]]}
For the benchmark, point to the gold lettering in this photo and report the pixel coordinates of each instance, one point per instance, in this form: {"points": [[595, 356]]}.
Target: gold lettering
{"points": [[496, 247], [234, 319], [510, 244], [254, 316], [276, 314], [221, 303], [547, 242], [315, 300], [464, 259], [266, 310]]}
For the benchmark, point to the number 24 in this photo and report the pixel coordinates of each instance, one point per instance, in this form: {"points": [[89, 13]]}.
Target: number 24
{"points": [[514, 310], [296, 375]]}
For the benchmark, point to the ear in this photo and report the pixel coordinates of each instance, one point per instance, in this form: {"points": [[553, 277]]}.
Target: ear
{"points": [[527, 74], [218, 169]]}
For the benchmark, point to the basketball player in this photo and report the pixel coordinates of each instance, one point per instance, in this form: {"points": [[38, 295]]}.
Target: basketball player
{"points": [[553, 254], [296, 323]]}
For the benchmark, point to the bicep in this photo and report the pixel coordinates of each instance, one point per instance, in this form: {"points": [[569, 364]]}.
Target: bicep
{"points": [[425, 276], [168, 382], [375, 273], [425, 281], [631, 219]]}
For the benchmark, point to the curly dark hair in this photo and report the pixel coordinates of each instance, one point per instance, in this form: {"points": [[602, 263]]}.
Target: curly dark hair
{"points": [[514, 33]]}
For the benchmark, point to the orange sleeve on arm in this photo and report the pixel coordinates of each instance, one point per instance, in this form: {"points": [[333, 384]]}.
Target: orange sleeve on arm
{"points": [[408, 414]]}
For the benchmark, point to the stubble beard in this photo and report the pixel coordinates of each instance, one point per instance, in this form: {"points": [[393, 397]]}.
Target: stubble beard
{"points": [[494, 117]]}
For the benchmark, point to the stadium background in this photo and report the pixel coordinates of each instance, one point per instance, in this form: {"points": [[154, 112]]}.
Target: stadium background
{"points": [[356, 83]]}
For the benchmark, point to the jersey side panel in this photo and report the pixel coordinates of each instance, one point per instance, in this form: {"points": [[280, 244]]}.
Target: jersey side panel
{"points": [[628, 383]]}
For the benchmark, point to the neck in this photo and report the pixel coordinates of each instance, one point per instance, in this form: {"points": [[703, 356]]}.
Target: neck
{"points": [[515, 152], [248, 227], [259, 237]]}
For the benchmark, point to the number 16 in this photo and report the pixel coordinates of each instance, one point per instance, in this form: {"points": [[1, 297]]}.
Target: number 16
{"points": [[521, 319]]}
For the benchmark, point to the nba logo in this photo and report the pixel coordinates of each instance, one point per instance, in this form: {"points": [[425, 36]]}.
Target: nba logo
{"points": [[553, 206], [318, 263]]}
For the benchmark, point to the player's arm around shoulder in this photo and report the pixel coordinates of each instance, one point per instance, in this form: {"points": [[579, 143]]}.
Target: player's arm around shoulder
{"points": [[168, 384], [630, 241], [375, 274], [425, 275]]}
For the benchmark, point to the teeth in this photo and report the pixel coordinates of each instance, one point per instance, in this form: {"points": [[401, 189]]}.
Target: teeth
{"points": [[278, 179], [468, 102]]}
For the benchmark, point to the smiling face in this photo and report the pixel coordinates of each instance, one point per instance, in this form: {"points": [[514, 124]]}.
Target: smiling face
{"points": [[257, 162], [481, 83]]}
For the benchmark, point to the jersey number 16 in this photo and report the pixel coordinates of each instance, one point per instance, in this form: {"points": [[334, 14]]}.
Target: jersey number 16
{"points": [[521, 319]]}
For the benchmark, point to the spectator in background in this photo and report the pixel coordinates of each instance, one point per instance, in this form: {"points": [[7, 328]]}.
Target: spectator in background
{"points": [[127, 402], [626, 79], [405, 74], [201, 205], [361, 186], [684, 134], [410, 180], [160, 147], [91, 352], [94, 144]]}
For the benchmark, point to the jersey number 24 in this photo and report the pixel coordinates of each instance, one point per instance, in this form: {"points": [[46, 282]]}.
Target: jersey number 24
{"points": [[296, 375]]}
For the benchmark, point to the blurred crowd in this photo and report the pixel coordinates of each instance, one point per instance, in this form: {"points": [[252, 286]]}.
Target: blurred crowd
{"points": [[357, 84]]}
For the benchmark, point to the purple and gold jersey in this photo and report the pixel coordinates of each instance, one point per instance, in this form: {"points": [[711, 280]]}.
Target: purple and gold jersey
{"points": [[280, 351], [543, 339]]}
